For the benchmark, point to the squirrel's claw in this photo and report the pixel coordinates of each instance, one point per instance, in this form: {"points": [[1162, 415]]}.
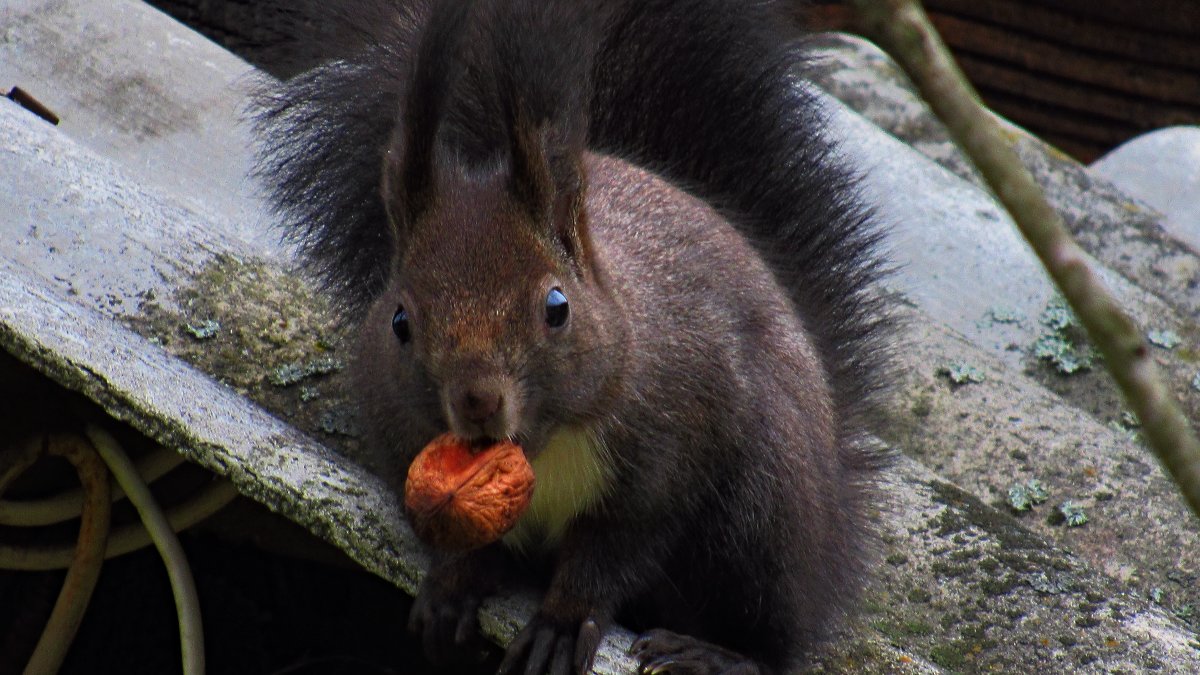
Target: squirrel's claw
{"points": [[553, 647], [659, 652]]}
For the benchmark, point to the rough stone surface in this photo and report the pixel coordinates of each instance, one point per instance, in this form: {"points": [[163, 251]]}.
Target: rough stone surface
{"points": [[1162, 168], [961, 260], [136, 87], [1007, 430], [107, 274]]}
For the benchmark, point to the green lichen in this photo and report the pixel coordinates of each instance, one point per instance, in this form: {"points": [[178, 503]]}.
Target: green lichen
{"points": [[1062, 354], [948, 570], [1072, 513], [1001, 585], [1167, 339], [1047, 585], [258, 330], [1063, 346], [1124, 427], [1008, 315], [953, 655], [966, 554], [923, 406], [919, 595], [203, 330], [961, 373], [293, 373], [899, 632], [968, 511], [338, 423], [1057, 315], [1023, 497]]}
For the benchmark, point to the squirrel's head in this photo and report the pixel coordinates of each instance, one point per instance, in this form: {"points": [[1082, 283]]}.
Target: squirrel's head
{"points": [[496, 321]]}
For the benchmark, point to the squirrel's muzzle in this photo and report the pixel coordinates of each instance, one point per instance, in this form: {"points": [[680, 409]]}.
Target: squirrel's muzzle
{"points": [[483, 407]]}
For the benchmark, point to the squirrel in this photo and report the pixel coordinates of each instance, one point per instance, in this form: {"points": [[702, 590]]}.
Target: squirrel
{"points": [[616, 233]]}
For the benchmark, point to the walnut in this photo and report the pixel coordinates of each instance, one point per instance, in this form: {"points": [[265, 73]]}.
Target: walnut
{"points": [[461, 497]]}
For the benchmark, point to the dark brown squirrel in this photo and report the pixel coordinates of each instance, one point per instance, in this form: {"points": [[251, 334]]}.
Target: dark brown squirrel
{"points": [[617, 234]]}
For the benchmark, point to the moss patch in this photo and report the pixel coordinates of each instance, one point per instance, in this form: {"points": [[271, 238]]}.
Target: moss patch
{"points": [[265, 334], [970, 511]]}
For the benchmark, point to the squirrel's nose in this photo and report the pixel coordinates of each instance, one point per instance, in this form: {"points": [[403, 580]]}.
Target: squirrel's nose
{"points": [[478, 406]]}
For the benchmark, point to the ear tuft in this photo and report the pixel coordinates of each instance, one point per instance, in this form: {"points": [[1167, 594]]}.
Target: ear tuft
{"points": [[408, 163], [548, 181]]}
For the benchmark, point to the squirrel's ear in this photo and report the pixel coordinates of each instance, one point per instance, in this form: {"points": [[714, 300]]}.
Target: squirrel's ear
{"points": [[408, 179], [548, 180], [568, 217], [408, 163], [394, 190], [408, 167]]}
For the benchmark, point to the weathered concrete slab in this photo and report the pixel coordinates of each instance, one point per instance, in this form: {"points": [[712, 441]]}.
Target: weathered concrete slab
{"points": [[133, 85], [96, 238], [1007, 430], [979, 297], [958, 253], [973, 591], [962, 261], [1161, 168], [982, 301]]}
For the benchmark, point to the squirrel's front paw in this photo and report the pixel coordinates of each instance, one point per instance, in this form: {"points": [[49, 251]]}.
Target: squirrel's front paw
{"points": [[445, 617], [555, 646]]}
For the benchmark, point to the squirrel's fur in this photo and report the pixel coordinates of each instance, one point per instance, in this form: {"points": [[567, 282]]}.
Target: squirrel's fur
{"points": [[663, 164]]}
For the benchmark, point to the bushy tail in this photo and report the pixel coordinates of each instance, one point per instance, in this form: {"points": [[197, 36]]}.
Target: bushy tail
{"points": [[711, 93]]}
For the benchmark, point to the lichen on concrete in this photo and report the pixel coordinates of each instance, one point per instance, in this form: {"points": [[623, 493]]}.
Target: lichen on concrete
{"points": [[983, 594], [1009, 430], [274, 334]]}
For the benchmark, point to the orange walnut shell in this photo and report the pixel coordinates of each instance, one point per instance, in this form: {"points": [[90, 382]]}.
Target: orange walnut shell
{"points": [[461, 497]]}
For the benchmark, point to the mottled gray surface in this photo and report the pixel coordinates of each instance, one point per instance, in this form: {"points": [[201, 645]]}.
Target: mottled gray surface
{"points": [[964, 586], [98, 239], [1161, 168], [1008, 429], [958, 252], [150, 94]]}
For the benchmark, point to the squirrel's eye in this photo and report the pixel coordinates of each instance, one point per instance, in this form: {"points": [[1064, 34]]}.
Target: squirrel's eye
{"points": [[557, 308], [400, 324]]}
